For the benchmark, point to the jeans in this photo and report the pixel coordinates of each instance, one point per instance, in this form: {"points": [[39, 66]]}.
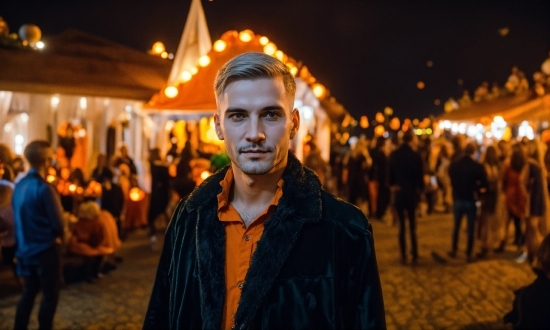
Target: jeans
{"points": [[460, 208], [407, 202], [45, 276]]}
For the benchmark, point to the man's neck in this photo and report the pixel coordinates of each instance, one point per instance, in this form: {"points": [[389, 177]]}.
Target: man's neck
{"points": [[251, 194], [41, 170]]}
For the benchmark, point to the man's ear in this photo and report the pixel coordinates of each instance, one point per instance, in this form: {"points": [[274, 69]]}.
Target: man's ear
{"points": [[217, 126], [295, 118]]}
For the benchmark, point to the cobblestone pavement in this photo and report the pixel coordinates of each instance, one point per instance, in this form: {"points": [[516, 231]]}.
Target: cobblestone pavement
{"points": [[430, 295]]}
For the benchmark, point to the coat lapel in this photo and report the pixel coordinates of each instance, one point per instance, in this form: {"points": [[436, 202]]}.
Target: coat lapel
{"points": [[299, 205], [210, 245]]}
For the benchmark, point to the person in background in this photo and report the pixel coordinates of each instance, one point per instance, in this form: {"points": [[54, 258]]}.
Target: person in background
{"points": [[7, 229], [379, 192], [98, 173], [39, 235], [315, 162], [124, 158], [468, 179], [160, 192], [406, 182], [488, 221], [112, 200], [260, 244], [531, 303], [514, 184]]}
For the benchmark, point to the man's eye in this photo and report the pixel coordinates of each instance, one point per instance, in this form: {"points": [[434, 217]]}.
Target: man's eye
{"points": [[236, 116], [272, 114]]}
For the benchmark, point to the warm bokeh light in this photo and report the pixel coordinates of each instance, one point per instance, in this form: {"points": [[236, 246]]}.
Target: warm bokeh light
{"points": [[294, 71], [264, 41], [220, 45], [205, 175], [158, 48], [388, 111], [395, 124], [420, 85], [164, 55], [319, 91], [186, 76], [204, 60], [171, 91], [246, 35], [194, 70], [50, 178], [379, 117], [280, 55], [40, 45], [270, 49], [437, 102], [415, 122], [364, 122], [136, 194], [379, 130], [72, 188], [430, 64]]}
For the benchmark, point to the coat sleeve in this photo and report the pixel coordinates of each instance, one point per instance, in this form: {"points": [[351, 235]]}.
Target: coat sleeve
{"points": [[368, 307], [157, 315]]}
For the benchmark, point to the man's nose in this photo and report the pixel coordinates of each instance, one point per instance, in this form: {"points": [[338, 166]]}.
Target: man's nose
{"points": [[255, 130]]}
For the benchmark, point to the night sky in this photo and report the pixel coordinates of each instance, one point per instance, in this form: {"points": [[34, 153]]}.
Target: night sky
{"points": [[369, 54]]}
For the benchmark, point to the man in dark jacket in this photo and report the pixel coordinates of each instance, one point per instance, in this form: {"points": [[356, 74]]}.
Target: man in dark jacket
{"points": [[39, 230], [260, 244], [406, 182], [468, 178]]}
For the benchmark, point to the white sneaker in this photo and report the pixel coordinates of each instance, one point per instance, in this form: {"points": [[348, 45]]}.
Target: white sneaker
{"points": [[522, 258]]}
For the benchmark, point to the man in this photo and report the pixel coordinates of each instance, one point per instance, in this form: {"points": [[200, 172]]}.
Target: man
{"points": [[124, 158], [406, 182], [260, 244], [468, 178], [39, 230]]}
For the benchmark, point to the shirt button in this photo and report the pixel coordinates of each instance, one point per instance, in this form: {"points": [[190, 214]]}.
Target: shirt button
{"points": [[240, 285], [247, 238]]}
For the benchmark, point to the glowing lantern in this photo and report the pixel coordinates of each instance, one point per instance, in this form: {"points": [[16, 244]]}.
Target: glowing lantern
{"points": [[420, 85], [264, 41], [430, 64], [270, 49], [246, 35], [51, 171], [319, 91], [364, 122], [171, 91], [379, 117], [294, 71], [194, 70], [164, 55], [94, 188], [50, 178], [220, 45], [186, 76], [158, 48], [379, 130], [30, 33], [72, 188], [204, 60], [136, 194], [395, 124], [280, 55]]}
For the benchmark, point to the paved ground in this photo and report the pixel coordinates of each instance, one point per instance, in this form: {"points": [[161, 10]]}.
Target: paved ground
{"points": [[430, 295]]}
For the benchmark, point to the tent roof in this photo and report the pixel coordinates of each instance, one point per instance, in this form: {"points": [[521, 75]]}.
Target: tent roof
{"points": [[197, 94], [513, 108], [78, 63]]}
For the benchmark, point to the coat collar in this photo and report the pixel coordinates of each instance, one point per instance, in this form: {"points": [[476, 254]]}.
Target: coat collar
{"points": [[299, 205]]}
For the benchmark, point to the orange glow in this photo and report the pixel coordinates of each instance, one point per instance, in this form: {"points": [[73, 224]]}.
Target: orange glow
{"points": [[50, 178], [220, 45], [420, 85], [204, 60], [246, 35], [171, 91], [264, 41], [364, 122], [379, 130], [72, 188], [395, 124], [379, 117], [158, 48], [319, 91], [270, 49], [136, 194], [205, 175]]}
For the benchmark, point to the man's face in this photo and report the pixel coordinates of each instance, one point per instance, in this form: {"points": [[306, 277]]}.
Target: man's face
{"points": [[256, 121]]}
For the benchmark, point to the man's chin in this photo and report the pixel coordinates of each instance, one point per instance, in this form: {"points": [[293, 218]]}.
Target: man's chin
{"points": [[256, 168]]}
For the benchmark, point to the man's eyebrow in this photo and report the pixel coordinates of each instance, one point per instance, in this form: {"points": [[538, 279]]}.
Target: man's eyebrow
{"points": [[267, 108]]}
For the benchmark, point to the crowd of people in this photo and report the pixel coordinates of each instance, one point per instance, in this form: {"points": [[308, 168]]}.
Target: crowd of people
{"points": [[494, 185]]}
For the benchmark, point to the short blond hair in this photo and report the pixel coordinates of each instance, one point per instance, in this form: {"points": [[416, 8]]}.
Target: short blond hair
{"points": [[88, 210], [250, 66]]}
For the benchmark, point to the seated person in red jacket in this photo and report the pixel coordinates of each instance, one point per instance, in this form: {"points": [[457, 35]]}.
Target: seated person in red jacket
{"points": [[86, 240]]}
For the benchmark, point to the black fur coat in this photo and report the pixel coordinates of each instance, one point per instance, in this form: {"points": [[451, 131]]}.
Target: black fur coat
{"points": [[314, 266]]}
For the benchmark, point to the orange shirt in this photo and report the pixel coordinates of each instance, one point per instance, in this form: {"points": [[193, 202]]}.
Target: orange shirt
{"points": [[240, 244]]}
